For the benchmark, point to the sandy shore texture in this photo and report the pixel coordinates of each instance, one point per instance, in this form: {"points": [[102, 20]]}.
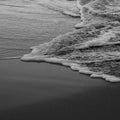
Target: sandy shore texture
{"points": [[94, 48], [43, 91]]}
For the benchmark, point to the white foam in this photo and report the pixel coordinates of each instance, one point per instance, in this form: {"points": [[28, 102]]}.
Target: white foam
{"points": [[98, 10], [72, 65], [101, 40], [110, 78]]}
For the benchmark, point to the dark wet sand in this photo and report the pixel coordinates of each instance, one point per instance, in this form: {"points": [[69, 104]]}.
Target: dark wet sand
{"points": [[34, 91], [42, 91]]}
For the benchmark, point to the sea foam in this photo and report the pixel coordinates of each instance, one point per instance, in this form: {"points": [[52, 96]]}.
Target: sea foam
{"points": [[93, 49]]}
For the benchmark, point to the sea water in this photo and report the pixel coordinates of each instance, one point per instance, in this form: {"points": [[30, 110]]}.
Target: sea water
{"points": [[92, 49], [28, 23]]}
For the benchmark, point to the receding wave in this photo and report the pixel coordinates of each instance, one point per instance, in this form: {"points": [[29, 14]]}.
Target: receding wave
{"points": [[92, 49]]}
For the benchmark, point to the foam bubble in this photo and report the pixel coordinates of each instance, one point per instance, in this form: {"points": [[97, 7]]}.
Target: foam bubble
{"points": [[93, 49], [98, 11]]}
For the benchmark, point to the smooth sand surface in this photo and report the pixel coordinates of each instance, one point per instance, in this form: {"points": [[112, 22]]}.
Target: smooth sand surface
{"points": [[42, 91], [33, 91]]}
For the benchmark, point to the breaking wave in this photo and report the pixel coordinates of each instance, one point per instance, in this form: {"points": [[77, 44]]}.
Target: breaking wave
{"points": [[92, 49]]}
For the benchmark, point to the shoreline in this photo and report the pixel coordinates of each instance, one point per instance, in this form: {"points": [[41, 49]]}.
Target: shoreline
{"points": [[71, 65], [43, 90]]}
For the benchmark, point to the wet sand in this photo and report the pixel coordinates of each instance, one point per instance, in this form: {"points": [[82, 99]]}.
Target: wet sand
{"points": [[33, 91]]}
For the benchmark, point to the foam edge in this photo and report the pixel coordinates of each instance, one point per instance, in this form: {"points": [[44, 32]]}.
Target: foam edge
{"points": [[73, 66]]}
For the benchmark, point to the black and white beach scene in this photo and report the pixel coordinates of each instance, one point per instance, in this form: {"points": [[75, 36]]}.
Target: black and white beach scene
{"points": [[59, 59]]}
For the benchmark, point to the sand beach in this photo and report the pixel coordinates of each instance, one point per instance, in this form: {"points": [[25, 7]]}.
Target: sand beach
{"points": [[44, 91]]}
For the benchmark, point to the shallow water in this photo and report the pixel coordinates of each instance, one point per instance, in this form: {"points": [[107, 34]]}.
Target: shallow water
{"points": [[24, 24], [29, 23], [93, 49], [34, 91]]}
